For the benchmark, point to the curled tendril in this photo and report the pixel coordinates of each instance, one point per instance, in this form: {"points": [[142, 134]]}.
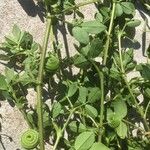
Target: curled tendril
{"points": [[30, 139]]}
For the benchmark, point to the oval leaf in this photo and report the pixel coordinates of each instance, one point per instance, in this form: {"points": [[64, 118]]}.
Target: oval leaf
{"points": [[84, 141], [82, 94], [81, 35], [120, 108], [99, 146], [128, 8], [94, 95], [56, 109], [93, 27], [91, 111], [95, 48], [122, 130], [3, 83], [73, 87], [118, 10], [134, 23]]}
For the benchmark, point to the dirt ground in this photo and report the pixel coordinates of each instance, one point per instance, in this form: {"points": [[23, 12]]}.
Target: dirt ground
{"points": [[27, 16]]}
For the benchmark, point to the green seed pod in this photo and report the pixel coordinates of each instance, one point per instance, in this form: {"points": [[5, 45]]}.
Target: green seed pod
{"points": [[30, 139], [52, 63]]}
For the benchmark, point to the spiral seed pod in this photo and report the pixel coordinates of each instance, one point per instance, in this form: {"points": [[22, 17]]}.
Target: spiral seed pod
{"points": [[30, 139], [52, 63]]}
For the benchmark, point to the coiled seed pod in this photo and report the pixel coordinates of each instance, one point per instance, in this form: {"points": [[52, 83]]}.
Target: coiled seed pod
{"points": [[30, 139], [52, 63]]}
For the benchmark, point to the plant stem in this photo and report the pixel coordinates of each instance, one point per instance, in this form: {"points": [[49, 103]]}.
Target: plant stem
{"points": [[128, 86], [81, 4], [130, 123], [59, 135], [101, 78], [146, 110], [39, 86], [101, 75], [108, 34], [94, 122], [76, 6]]}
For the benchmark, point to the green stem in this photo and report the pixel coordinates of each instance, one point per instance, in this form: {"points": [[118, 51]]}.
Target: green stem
{"points": [[76, 6], [39, 86], [146, 110], [130, 123], [59, 135], [108, 34], [128, 86], [101, 75], [145, 4], [94, 122], [101, 78], [81, 4], [69, 101]]}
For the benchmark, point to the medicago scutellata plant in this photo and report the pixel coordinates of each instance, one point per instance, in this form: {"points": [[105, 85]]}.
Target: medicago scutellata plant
{"points": [[98, 106]]}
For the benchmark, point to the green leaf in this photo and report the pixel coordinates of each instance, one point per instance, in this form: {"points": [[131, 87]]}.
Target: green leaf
{"points": [[80, 61], [131, 66], [128, 61], [93, 27], [26, 40], [120, 108], [105, 12], [6, 96], [99, 146], [46, 116], [94, 94], [73, 126], [95, 48], [73, 87], [34, 46], [4, 57], [133, 23], [114, 73], [16, 32], [128, 55], [56, 110], [3, 83], [122, 130], [144, 70], [118, 10], [84, 141], [81, 35], [10, 74], [112, 118], [30, 116], [77, 127], [147, 92], [128, 8], [84, 50], [91, 111], [99, 17], [83, 92], [10, 41]]}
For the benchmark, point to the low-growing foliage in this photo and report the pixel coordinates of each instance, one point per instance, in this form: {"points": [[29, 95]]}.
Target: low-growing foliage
{"points": [[97, 107]]}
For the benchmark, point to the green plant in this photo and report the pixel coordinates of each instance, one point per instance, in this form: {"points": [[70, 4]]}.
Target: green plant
{"points": [[30, 139], [94, 106]]}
